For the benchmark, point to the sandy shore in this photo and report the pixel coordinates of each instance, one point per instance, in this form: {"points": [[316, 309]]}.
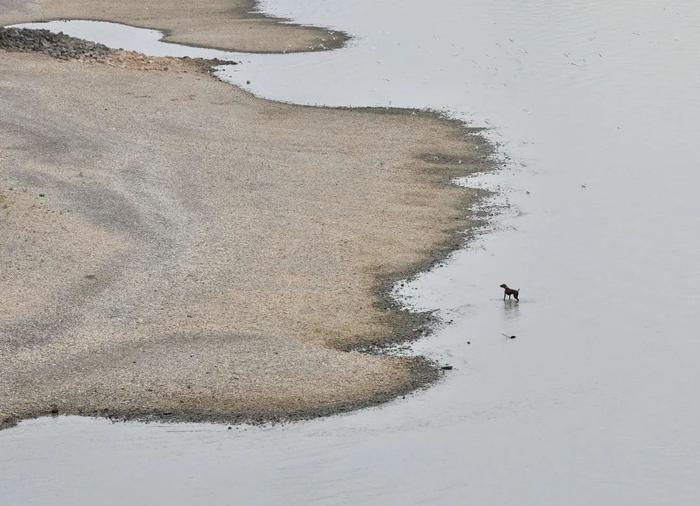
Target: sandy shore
{"points": [[174, 247], [224, 24]]}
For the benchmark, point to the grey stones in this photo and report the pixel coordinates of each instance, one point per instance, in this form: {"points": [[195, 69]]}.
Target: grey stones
{"points": [[58, 45]]}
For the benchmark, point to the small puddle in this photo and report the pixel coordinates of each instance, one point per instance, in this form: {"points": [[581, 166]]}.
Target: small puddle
{"points": [[130, 38]]}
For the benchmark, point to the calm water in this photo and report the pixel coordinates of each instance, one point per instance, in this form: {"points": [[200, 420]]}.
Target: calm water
{"points": [[595, 106]]}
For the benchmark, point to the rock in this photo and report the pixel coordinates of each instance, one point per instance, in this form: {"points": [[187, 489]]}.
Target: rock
{"points": [[58, 45]]}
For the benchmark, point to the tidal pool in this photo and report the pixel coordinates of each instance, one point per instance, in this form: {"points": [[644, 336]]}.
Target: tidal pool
{"points": [[595, 107]]}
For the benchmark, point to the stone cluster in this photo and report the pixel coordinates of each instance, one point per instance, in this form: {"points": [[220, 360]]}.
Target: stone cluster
{"points": [[58, 45]]}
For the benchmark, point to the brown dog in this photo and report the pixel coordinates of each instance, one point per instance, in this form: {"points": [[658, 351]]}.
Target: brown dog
{"points": [[510, 292]]}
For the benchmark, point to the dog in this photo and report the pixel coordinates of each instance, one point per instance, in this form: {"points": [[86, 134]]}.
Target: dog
{"points": [[510, 292]]}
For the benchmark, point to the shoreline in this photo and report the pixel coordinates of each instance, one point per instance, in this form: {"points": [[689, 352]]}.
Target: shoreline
{"points": [[290, 37], [403, 325]]}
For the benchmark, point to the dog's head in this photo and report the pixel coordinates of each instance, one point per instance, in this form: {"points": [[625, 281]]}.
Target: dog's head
{"points": [[503, 286]]}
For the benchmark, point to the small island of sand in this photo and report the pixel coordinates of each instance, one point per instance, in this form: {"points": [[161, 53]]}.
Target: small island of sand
{"points": [[173, 247]]}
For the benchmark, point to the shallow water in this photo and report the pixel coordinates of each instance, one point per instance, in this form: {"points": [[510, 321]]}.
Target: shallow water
{"points": [[595, 104]]}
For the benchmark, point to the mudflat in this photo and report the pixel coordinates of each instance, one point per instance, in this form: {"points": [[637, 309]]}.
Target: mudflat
{"points": [[226, 24], [174, 247]]}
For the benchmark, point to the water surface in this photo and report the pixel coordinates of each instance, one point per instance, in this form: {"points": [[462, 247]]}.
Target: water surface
{"points": [[594, 105]]}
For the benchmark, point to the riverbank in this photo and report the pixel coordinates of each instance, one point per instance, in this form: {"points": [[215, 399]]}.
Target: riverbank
{"points": [[233, 25], [159, 223]]}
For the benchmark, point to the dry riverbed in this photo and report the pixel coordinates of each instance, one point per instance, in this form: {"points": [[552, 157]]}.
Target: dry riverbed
{"points": [[174, 247]]}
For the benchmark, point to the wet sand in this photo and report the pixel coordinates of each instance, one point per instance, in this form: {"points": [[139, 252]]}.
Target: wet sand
{"points": [[224, 24], [176, 248]]}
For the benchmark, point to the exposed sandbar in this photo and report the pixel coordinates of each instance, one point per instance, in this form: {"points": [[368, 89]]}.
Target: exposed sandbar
{"points": [[225, 24], [173, 247]]}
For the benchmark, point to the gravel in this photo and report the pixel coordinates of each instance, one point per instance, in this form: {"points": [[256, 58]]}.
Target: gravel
{"points": [[57, 45]]}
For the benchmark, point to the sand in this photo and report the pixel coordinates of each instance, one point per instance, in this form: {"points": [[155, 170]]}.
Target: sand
{"points": [[173, 247], [225, 24]]}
